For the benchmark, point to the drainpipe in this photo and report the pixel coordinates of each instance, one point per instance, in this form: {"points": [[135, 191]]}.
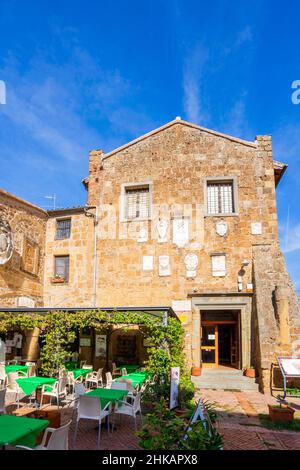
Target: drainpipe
{"points": [[95, 217]]}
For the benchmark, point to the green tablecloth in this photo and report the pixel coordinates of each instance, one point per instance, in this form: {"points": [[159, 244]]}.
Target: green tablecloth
{"points": [[79, 372], [137, 379], [16, 430], [129, 367], [107, 394], [29, 384], [15, 368]]}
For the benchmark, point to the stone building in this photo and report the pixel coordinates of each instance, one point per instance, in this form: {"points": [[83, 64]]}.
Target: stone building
{"points": [[183, 217]]}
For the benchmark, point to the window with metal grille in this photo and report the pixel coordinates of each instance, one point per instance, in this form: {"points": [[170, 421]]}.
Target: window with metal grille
{"points": [[63, 228], [61, 267], [137, 202], [220, 198]]}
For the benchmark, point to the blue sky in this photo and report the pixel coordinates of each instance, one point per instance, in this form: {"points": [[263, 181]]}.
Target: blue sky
{"points": [[83, 75]]}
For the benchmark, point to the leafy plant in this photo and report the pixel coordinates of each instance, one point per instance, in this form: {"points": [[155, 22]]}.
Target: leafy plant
{"points": [[200, 438]]}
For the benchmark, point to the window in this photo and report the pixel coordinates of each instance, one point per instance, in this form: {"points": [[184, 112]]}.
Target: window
{"points": [[137, 202], [63, 228], [61, 267], [220, 197]]}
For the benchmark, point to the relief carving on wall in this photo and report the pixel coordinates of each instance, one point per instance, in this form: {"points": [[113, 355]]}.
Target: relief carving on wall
{"points": [[191, 264], [162, 228], [30, 256], [6, 242], [164, 268], [221, 228]]}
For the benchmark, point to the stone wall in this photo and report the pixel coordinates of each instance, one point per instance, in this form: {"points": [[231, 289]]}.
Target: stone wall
{"points": [[21, 278], [78, 291]]}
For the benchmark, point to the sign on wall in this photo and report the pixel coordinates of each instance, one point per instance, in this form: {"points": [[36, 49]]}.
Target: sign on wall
{"points": [[100, 346], [174, 389]]}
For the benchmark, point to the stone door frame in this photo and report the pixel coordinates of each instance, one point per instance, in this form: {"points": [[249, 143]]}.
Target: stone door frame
{"points": [[240, 302]]}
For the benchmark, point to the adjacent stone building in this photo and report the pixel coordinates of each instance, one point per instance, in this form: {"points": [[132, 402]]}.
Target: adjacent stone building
{"points": [[183, 217]]}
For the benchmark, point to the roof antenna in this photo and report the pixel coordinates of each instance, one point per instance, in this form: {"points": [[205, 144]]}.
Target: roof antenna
{"points": [[53, 198]]}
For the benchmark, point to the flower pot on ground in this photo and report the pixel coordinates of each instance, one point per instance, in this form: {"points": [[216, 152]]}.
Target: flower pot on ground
{"points": [[196, 371], [281, 413], [250, 372]]}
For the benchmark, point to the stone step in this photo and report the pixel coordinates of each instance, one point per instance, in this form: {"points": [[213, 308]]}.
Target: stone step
{"points": [[224, 380]]}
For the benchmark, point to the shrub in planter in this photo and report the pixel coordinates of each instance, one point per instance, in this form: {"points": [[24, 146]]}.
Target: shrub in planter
{"points": [[281, 413]]}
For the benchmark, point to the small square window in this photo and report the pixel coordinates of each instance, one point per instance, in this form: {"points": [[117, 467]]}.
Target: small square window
{"points": [[61, 267], [63, 228], [220, 197]]}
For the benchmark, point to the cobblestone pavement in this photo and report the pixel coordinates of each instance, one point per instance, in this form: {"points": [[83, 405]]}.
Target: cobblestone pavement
{"points": [[240, 425]]}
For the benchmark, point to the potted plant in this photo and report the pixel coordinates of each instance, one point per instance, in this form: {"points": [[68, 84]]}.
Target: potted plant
{"points": [[58, 279], [196, 371], [281, 413], [250, 372]]}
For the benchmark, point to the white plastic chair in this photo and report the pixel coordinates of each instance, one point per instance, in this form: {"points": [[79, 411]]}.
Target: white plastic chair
{"points": [[124, 371], [109, 380], [116, 371], [72, 382], [94, 377], [87, 366], [58, 439], [79, 390], [57, 390], [90, 408], [129, 385], [82, 363], [129, 409], [13, 386], [2, 401], [3, 376]]}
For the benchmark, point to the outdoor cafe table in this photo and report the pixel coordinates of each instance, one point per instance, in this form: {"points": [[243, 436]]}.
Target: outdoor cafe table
{"points": [[137, 379], [78, 372], [15, 368], [129, 367], [15, 430], [107, 394], [29, 384]]}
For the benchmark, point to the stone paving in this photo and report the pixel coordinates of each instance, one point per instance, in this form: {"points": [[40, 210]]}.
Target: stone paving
{"points": [[240, 425], [238, 422]]}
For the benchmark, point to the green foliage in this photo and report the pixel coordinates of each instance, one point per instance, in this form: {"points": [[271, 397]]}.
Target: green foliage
{"points": [[266, 422], [163, 429], [59, 329], [199, 438], [186, 392]]}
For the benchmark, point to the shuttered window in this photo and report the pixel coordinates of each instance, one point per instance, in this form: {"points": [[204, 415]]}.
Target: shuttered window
{"points": [[61, 267], [63, 228], [137, 202], [220, 198]]}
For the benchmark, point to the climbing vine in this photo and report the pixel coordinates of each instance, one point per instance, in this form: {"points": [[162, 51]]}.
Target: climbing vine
{"points": [[59, 328]]}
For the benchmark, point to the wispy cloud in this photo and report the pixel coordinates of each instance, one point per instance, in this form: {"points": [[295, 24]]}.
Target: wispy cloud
{"points": [[192, 82]]}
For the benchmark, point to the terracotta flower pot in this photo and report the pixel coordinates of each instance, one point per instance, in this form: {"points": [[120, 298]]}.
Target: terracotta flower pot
{"points": [[250, 373], [285, 414], [196, 371]]}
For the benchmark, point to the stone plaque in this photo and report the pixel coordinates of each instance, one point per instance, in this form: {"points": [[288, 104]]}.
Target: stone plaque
{"points": [[164, 268], [24, 301], [6, 242], [191, 264], [182, 305], [256, 228], [180, 232], [162, 229], [221, 228], [147, 263], [218, 263], [143, 235], [30, 256]]}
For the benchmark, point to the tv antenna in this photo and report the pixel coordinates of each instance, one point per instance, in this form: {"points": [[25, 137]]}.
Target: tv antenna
{"points": [[53, 199]]}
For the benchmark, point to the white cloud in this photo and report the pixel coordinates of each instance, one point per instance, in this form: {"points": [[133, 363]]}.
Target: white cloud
{"points": [[192, 81]]}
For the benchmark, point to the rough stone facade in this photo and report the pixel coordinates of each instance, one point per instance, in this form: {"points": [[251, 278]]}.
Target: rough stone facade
{"points": [[22, 277], [175, 162]]}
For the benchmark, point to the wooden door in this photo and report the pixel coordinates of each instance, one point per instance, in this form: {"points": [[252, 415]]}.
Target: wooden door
{"points": [[209, 346]]}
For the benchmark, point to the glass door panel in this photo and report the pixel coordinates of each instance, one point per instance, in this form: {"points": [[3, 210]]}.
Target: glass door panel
{"points": [[208, 345]]}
